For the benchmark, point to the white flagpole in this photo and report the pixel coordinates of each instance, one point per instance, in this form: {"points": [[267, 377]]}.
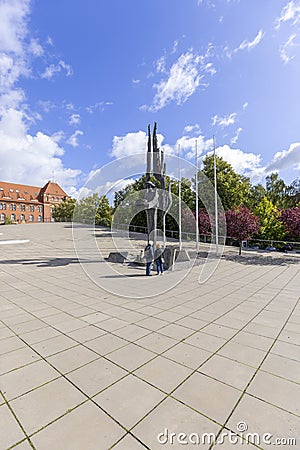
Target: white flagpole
{"points": [[197, 200], [179, 200], [216, 200]]}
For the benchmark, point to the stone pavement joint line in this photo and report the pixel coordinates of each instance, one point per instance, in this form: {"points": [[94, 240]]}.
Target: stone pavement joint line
{"points": [[82, 368]]}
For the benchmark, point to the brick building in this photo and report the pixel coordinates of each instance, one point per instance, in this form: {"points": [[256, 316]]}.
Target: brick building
{"points": [[27, 204]]}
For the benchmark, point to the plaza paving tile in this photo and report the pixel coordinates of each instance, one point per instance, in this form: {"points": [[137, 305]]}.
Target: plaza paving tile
{"points": [[131, 356], [283, 367], [261, 417], [10, 431], [128, 442], [163, 373], [210, 397], [187, 355], [173, 417], [86, 427], [46, 403], [275, 390], [96, 376], [80, 367], [129, 400], [18, 382]]}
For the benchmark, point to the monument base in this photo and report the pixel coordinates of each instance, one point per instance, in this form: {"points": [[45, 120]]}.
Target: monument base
{"points": [[116, 257]]}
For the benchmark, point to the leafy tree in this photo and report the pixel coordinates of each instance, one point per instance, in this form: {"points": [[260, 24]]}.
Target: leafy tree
{"points": [[104, 212], [204, 222], [290, 218], [293, 194], [276, 190], [257, 193], [233, 189], [137, 185], [241, 224], [63, 212], [93, 209], [271, 227]]}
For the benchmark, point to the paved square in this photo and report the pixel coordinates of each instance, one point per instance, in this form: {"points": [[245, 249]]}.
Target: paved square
{"points": [[81, 368]]}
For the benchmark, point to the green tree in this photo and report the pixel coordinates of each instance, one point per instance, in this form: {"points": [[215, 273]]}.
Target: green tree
{"points": [[271, 227], [293, 194], [104, 212], [276, 190], [257, 193], [93, 209], [233, 189], [63, 212]]}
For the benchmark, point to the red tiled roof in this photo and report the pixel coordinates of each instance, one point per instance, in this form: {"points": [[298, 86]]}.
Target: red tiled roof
{"points": [[53, 189], [23, 192]]}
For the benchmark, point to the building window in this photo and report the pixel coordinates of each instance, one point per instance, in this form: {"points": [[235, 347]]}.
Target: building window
{"points": [[40, 219], [31, 218], [2, 216], [4, 205], [31, 208], [12, 207], [22, 207], [13, 217], [22, 217], [40, 209], [1, 205]]}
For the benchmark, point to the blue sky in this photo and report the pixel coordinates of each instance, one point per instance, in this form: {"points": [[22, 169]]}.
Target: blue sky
{"points": [[81, 80]]}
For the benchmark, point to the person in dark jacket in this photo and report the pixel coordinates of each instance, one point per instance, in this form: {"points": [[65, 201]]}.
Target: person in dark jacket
{"points": [[159, 259], [149, 257]]}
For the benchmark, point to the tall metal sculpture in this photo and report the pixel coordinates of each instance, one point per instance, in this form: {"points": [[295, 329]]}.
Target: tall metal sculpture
{"points": [[156, 197]]}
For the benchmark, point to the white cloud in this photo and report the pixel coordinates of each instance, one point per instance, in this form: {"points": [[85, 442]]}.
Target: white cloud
{"points": [[133, 143], [245, 105], [143, 107], [24, 157], [51, 70], [192, 129], [100, 106], [236, 136], [50, 41], [224, 121], [11, 99], [182, 81], [291, 11], [188, 145], [129, 144], [30, 159], [13, 17], [209, 68], [160, 64], [73, 140], [286, 159], [136, 81], [286, 47], [175, 46], [35, 48], [243, 163], [74, 119], [249, 45]]}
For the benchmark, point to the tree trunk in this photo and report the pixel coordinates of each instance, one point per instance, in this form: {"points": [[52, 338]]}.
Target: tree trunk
{"points": [[240, 249]]}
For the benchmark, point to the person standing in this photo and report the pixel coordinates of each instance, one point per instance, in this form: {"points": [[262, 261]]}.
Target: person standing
{"points": [[159, 260], [149, 257]]}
